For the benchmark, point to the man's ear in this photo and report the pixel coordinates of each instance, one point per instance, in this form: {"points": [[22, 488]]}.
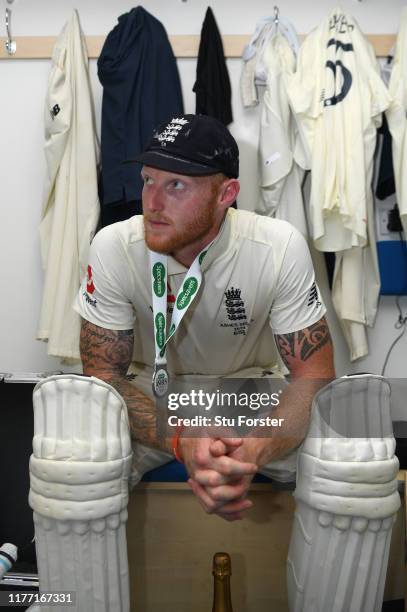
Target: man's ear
{"points": [[229, 191]]}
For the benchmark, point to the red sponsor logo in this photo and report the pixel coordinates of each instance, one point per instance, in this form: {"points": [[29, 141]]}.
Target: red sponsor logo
{"points": [[170, 295], [90, 287]]}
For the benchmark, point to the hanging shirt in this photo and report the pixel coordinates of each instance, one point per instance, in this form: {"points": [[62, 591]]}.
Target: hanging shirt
{"points": [[258, 280], [70, 209], [280, 174], [141, 89], [254, 71], [397, 117], [212, 85], [338, 96]]}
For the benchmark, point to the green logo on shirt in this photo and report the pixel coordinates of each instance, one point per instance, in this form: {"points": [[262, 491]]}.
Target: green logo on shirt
{"points": [[159, 279], [201, 257], [160, 329], [188, 290]]}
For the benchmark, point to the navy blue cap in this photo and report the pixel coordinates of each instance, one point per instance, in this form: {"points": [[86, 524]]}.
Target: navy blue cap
{"points": [[195, 145]]}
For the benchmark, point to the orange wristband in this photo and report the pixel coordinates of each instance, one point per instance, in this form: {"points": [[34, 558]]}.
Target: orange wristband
{"points": [[175, 444]]}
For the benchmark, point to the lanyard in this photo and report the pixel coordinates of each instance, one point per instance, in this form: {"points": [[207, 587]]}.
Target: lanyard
{"points": [[185, 296]]}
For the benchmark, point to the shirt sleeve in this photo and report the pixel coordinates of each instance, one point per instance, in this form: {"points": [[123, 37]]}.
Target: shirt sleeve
{"points": [[104, 295], [297, 303]]}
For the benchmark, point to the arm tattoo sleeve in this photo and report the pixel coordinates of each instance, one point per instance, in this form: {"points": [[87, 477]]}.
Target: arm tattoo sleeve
{"points": [[105, 349], [303, 343], [107, 354]]}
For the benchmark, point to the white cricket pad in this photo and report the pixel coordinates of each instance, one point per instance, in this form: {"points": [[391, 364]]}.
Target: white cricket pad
{"points": [[347, 499], [79, 473]]}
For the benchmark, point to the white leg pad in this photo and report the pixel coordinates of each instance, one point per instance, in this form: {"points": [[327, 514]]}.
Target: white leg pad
{"points": [[79, 473], [347, 499]]}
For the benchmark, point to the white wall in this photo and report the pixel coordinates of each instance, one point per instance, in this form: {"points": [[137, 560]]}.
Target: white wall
{"points": [[22, 166]]}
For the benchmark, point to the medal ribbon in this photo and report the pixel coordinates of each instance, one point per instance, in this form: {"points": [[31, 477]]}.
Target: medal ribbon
{"points": [[185, 297]]}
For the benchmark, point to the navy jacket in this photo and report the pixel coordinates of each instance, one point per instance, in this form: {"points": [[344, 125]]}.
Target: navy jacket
{"points": [[141, 88]]}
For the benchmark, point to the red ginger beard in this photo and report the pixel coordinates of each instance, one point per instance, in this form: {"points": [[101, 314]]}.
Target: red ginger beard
{"points": [[183, 233]]}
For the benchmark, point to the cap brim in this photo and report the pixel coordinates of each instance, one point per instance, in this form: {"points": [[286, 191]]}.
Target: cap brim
{"points": [[169, 163]]}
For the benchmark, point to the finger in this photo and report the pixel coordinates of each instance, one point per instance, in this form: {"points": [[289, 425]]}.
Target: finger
{"points": [[232, 441], [211, 505], [207, 504], [227, 493], [218, 448], [227, 466], [210, 478], [224, 446]]}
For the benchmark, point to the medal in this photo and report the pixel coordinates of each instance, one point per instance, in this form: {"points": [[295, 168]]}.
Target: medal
{"points": [[160, 381]]}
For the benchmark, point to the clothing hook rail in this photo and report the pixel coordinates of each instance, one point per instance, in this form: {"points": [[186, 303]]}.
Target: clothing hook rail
{"points": [[11, 46], [276, 15]]}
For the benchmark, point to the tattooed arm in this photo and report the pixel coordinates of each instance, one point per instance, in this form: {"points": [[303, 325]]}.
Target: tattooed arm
{"points": [[308, 352], [107, 354], [308, 355]]}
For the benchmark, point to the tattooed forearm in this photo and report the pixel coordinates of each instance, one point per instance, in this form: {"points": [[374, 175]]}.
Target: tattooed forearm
{"points": [[105, 349], [107, 354], [142, 413], [304, 343]]}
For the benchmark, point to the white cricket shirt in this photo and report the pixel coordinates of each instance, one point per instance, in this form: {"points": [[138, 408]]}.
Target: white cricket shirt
{"points": [[258, 279], [338, 96], [71, 205]]}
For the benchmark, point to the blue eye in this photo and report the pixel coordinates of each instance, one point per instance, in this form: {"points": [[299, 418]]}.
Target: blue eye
{"points": [[178, 184]]}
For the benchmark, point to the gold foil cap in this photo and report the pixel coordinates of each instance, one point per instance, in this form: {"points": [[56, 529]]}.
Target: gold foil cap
{"points": [[221, 564]]}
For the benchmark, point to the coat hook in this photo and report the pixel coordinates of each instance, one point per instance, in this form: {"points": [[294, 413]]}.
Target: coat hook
{"points": [[11, 46], [276, 15]]}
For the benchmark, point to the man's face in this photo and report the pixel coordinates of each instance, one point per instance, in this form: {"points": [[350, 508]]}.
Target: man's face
{"points": [[178, 210]]}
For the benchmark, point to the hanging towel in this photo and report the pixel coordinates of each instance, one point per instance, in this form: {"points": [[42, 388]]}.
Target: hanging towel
{"points": [[397, 118], [338, 96], [281, 175], [141, 89], [71, 207], [212, 85]]}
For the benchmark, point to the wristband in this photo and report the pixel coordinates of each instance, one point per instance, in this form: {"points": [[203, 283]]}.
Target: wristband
{"points": [[175, 444]]}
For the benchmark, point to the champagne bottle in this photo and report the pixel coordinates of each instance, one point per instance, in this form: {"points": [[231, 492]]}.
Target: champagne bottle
{"points": [[222, 571]]}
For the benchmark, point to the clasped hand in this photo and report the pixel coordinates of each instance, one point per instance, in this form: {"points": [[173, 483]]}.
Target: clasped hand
{"points": [[221, 470]]}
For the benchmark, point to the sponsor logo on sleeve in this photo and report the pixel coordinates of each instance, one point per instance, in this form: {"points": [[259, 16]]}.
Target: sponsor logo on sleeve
{"points": [[313, 297], [55, 110], [90, 288]]}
